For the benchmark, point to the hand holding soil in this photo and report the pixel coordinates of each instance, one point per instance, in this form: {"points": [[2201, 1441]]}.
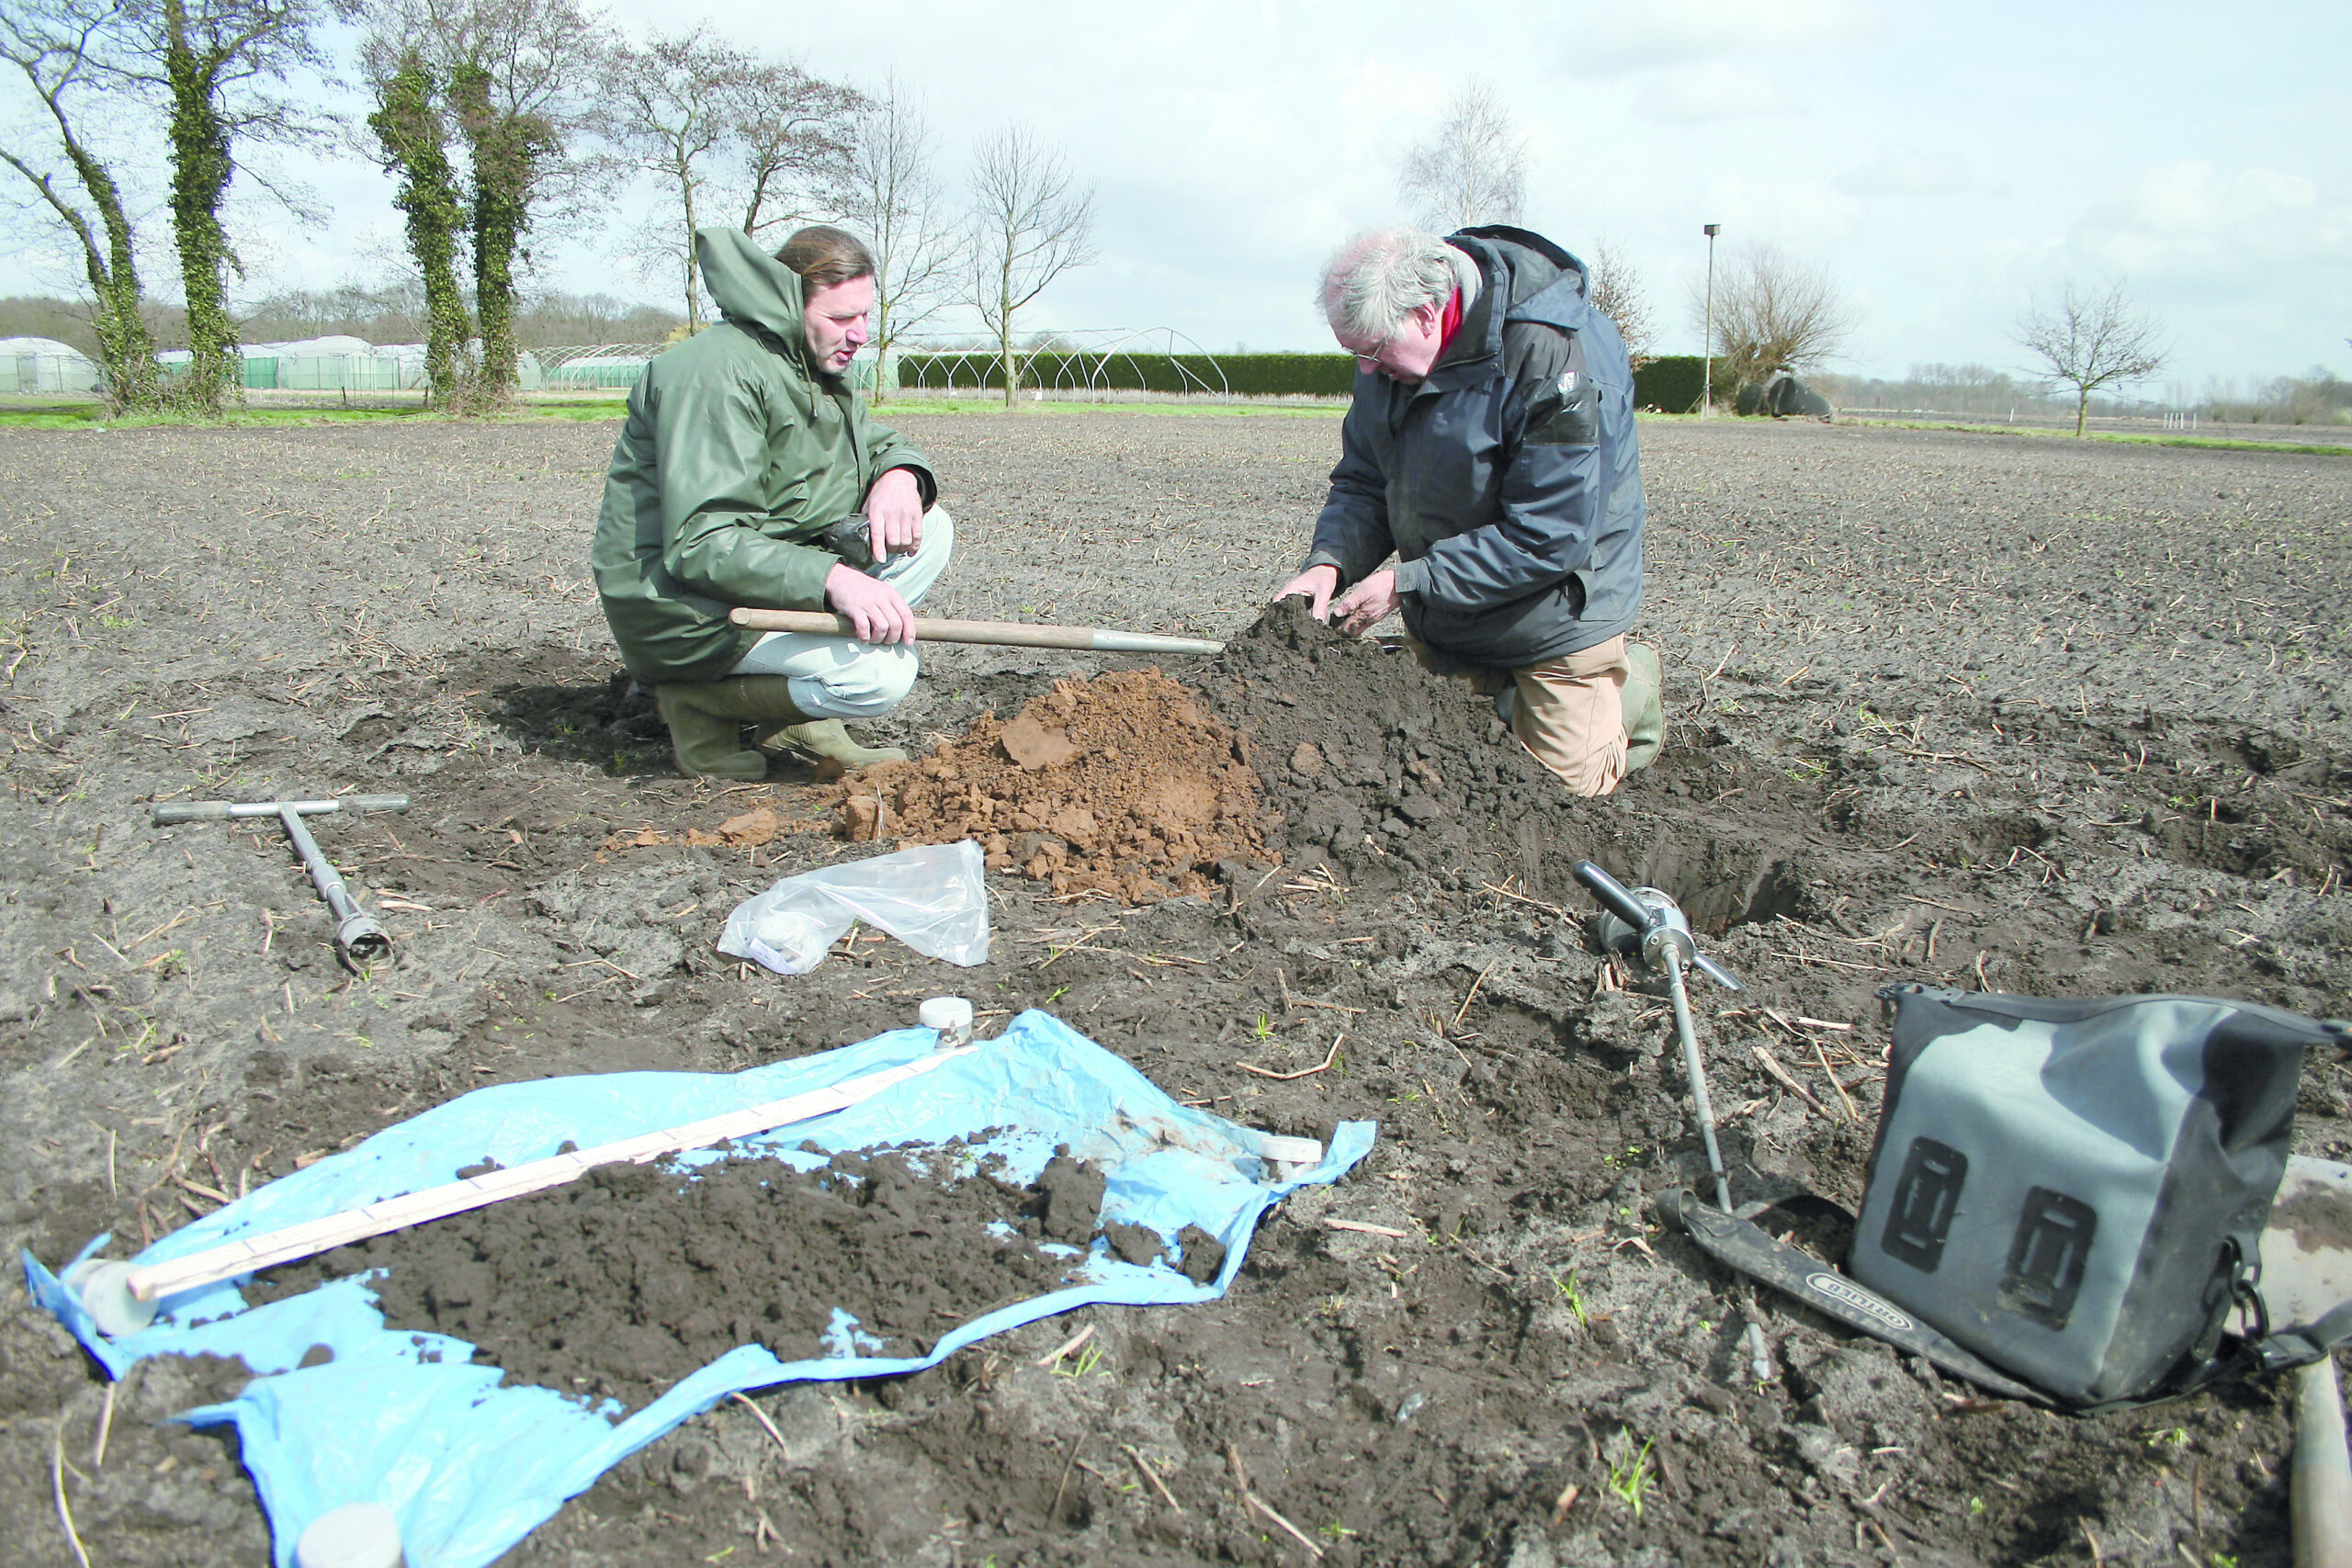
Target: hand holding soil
{"points": [[1368, 603], [1315, 584]]}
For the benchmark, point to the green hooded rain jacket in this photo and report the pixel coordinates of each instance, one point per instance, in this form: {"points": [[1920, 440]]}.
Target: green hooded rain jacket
{"points": [[734, 457]]}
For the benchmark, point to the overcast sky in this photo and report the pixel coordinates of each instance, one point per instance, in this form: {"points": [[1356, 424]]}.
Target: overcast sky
{"points": [[1944, 163]]}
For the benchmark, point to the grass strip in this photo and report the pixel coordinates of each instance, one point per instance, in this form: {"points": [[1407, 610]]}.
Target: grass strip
{"points": [[2206, 442]]}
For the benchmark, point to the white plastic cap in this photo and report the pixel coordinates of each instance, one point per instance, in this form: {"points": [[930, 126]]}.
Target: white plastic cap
{"points": [[949, 1015], [104, 1287], [357, 1535], [1289, 1151]]}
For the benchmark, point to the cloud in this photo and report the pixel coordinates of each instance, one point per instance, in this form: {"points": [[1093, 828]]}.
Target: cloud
{"points": [[1810, 219], [2189, 217], [1715, 90], [1910, 173], [1679, 32]]}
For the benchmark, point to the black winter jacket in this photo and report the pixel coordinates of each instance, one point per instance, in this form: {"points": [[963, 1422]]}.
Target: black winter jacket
{"points": [[1508, 482]]}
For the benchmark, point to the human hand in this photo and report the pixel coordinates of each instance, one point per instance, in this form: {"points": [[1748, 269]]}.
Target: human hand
{"points": [[1317, 585], [1368, 603], [894, 508], [873, 606]]}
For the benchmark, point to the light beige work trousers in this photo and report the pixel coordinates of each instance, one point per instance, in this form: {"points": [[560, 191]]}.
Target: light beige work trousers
{"points": [[1571, 712]]}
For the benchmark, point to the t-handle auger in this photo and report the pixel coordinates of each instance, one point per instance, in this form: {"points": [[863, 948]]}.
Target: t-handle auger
{"points": [[1650, 926], [356, 934]]}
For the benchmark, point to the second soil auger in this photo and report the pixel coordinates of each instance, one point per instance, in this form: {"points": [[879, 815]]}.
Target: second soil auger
{"points": [[357, 936], [1646, 923]]}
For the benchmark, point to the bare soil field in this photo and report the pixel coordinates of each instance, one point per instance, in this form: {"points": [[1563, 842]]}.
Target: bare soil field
{"points": [[1989, 712]]}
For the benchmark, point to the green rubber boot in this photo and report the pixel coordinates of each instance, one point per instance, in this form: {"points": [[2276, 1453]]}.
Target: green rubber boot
{"points": [[825, 740], [706, 720], [1644, 702]]}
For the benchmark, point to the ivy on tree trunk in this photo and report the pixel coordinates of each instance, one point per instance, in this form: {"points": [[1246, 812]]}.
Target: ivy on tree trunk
{"points": [[126, 347], [409, 128], [200, 171], [507, 149]]}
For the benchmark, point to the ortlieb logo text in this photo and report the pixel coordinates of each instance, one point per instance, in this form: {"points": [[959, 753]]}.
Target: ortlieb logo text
{"points": [[1830, 1285]]}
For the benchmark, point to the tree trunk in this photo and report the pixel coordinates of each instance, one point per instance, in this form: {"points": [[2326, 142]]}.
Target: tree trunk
{"points": [[2081, 408], [1004, 327], [200, 171], [694, 289], [412, 136], [126, 348], [499, 214], [506, 150]]}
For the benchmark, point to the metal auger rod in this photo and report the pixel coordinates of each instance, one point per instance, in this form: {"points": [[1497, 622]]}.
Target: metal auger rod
{"points": [[355, 931], [1759, 1358], [1697, 1074]]}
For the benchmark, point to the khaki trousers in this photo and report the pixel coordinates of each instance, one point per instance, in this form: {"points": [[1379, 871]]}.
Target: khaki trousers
{"points": [[1571, 712]]}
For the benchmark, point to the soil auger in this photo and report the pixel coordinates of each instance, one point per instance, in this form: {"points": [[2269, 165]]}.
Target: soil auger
{"points": [[1646, 924], [357, 935]]}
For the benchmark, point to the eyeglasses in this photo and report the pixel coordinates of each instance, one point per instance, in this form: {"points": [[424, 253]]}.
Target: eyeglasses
{"points": [[1371, 360]]}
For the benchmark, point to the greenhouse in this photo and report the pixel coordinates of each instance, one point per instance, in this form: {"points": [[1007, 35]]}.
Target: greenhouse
{"points": [[599, 365], [45, 365], [351, 365]]}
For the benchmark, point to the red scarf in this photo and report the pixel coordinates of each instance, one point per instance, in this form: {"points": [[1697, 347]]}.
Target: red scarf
{"points": [[1451, 322]]}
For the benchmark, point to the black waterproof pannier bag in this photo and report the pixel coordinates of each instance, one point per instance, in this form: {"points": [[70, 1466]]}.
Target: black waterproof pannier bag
{"points": [[2071, 1192]]}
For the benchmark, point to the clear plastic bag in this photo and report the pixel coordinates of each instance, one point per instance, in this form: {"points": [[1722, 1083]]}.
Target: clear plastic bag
{"points": [[931, 897]]}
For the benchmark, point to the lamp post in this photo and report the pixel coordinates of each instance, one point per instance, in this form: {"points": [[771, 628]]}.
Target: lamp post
{"points": [[1707, 374]]}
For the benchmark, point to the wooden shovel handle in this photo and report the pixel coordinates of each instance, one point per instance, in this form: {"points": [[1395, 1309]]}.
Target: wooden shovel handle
{"points": [[995, 634]]}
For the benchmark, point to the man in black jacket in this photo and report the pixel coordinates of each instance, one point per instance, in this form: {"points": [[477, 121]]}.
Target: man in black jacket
{"points": [[1491, 450]]}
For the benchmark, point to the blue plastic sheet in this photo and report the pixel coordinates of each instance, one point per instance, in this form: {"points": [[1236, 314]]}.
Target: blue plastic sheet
{"points": [[470, 1468]]}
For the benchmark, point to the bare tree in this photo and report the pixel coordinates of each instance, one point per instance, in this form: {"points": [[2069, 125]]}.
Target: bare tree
{"points": [[57, 45], [1031, 222], [794, 132], [1474, 170], [1773, 313], [1617, 293], [2093, 338], [671, 108], [891, 197]]}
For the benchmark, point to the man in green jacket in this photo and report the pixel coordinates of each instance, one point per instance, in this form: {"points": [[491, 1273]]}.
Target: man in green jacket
{"points": [[749, 473]]}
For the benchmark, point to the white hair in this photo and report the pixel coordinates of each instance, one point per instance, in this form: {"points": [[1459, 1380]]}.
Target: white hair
{"points": [[1377, 279]]}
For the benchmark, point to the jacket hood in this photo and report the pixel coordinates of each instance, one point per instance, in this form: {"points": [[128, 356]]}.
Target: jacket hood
{"points": [[1529, 278], [754, 289]]}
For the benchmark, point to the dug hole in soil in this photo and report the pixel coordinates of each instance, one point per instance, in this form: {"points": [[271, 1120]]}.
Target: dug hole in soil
{"points": [[1960, 710]]}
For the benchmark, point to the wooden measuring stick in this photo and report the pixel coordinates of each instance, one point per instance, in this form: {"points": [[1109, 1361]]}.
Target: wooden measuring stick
{"points": [[270, 1248]]}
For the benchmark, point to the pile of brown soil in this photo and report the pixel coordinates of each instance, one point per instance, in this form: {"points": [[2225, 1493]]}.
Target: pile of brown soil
{"points": [[1120, 784], [626, 1280]]}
